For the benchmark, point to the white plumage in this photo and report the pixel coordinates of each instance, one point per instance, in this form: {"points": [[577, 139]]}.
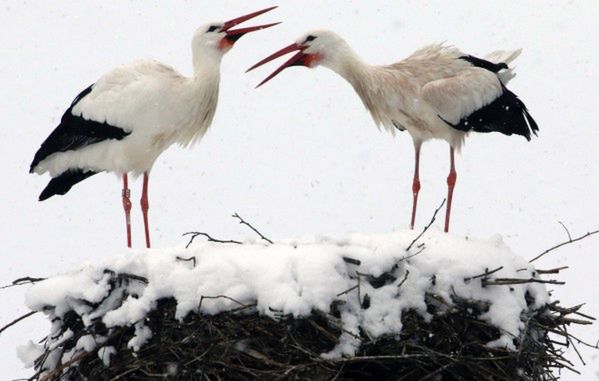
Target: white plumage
{"points": [[437, 92], [126, 119], [152, 102]]}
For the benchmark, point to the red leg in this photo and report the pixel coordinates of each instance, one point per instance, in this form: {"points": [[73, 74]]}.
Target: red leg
{"points": [[415, 182], [450, 185], [145, 205], [127, 206]]}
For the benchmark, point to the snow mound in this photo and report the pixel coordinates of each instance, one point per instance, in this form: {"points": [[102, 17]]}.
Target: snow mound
{"points": [[371, 279]]}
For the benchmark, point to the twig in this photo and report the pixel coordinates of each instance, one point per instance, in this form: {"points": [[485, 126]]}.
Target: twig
{"points": [[566, 366], [219, 297], [564, 243], [553, 271], [575, 321], [427, 226], [192, 259], [483, 275], [377, 358], [17, 320], [134, 277], [122, 375], [352, 261], [325, 333], [584, 316], [210, 239], [22, 281], [359, 290], [260, 356], [243, 222], [404, 279], [56, 371], [566, 229], [596, 346], [576, 350], [199, 357], [348, 290], [511, 281]]}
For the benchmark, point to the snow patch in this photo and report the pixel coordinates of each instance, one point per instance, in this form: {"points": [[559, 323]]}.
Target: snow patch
{"points": [[297, 277], [105, 353], [29, 352]]}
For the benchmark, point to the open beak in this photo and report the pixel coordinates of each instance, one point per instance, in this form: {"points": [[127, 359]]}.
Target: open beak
{"points": [[298, 59], [234, 34]]}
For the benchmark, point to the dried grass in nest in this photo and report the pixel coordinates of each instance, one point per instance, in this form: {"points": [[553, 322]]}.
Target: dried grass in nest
{"points": [[242, 345]]}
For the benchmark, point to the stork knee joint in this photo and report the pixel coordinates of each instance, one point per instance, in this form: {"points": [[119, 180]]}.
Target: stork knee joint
{"points": [[451, 179]]}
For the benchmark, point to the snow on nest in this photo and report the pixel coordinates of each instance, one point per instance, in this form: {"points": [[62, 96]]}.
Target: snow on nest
{"points": [[298, 276]]}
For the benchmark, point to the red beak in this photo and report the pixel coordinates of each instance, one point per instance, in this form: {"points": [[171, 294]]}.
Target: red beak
{"points": [[234, 35], [300, 58]]}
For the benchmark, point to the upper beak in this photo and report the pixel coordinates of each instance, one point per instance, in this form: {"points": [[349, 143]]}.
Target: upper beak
{"points": [[296, 59], [235, 34]]}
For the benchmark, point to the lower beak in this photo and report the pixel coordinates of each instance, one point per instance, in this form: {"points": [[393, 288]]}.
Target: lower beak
{"points": [[298, 59]]}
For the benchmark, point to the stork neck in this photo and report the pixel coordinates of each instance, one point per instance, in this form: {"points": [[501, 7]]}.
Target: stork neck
{"points": [[372, 83], [362, 76], [206, 62]]}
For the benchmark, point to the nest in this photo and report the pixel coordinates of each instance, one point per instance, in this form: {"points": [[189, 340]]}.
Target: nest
{"points": [[241, 344]]}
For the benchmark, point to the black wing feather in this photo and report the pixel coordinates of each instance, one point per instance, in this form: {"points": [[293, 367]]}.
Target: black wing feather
{"points": [[75, 132], [507, 114]]}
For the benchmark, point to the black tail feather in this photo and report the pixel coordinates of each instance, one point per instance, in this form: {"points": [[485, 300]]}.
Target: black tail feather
{"points": [[531, 122], [488, 65], [62, 184]]}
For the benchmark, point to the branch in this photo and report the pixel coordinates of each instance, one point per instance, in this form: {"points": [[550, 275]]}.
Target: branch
{"points": [[348, 290], [57, 371], [242, 221], [219, 297], [404, 279], [427, 226], [552, 271], [210, 239], [570, 240], [17, 320], [22, 281], [483, 275], [191, 259], [511, 281], [566, 229]]}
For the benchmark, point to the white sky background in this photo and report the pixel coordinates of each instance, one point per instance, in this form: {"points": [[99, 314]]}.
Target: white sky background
{"points": [[301, 155]]}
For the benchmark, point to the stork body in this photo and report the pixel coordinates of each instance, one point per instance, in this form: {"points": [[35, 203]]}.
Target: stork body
{"points": [[438, 92], [125, 120]]}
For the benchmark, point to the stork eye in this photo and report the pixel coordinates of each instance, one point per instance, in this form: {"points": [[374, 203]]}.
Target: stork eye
{"points": [[212, 28], [310, 38]]}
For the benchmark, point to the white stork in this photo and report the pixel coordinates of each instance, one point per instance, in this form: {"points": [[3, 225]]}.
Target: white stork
{"points": [[437, 92], [126, 119]]}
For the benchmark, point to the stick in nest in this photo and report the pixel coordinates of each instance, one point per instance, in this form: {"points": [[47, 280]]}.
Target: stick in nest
{"points": [[427, 226], [243, 222], [210, 238], [22, 281], [17, 320], [221, 297], [569, 241]]}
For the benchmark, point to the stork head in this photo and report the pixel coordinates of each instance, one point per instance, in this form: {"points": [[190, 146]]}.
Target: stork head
{"points": [[319, 47], [221, 36]]}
